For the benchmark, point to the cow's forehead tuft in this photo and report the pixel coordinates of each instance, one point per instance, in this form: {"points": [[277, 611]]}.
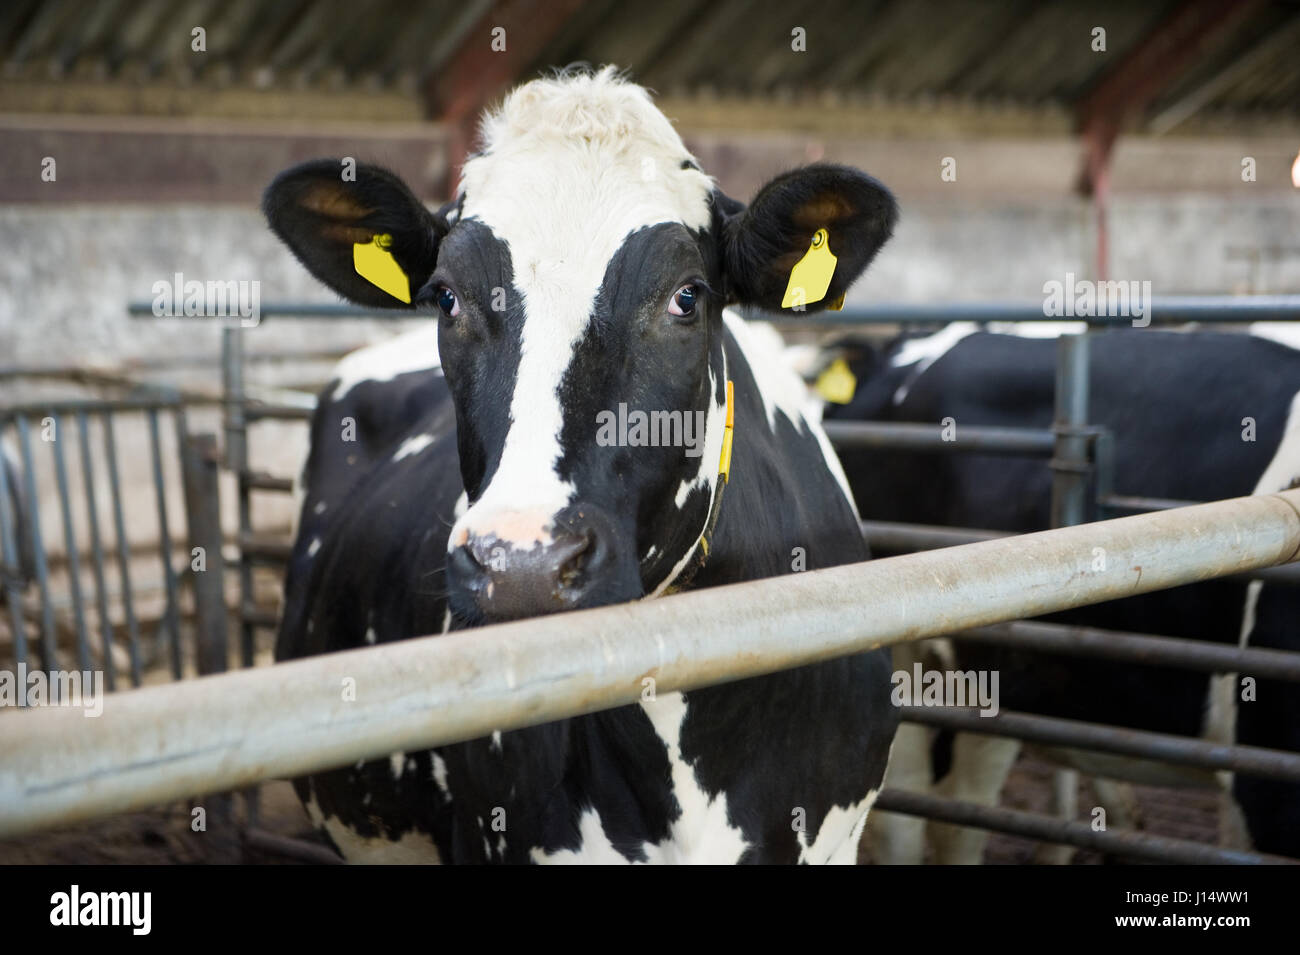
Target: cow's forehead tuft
{"points": [[588, 148]]}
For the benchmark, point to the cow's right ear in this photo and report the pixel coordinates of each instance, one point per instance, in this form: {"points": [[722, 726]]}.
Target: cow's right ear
{"points": [[356, 234]]}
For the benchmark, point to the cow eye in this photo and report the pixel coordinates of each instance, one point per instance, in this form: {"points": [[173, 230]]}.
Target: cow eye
{"points": [[683, 302], [447, 302]]}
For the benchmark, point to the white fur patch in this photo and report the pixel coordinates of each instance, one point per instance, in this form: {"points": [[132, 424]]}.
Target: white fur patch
{"points": [[703, 832], [413, 445], [413, 848], [838, 836], [415, 350]]}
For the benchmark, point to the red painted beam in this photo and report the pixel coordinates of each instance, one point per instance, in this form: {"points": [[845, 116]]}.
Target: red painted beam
{"points": [[477, 73], [1124, 93], [1159, 60]]}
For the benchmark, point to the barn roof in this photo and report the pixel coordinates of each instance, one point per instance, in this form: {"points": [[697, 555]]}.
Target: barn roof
{"points": [[1178, 63]]}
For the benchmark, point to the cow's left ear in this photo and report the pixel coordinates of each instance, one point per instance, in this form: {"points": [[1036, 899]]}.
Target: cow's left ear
{"points": [[367, 236], [794, 220]]}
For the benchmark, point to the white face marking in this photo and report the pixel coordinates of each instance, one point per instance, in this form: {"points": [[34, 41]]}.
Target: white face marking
{"points": [[563, 181], [415, 350], [413, 445]]}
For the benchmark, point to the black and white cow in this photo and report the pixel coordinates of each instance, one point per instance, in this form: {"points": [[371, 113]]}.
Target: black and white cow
{"points": [[1196, 416], [584, 264]]}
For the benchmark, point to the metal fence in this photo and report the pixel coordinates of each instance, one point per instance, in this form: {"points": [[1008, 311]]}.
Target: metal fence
{"points": [[282, 732], [1079, 455], [237, 728]]}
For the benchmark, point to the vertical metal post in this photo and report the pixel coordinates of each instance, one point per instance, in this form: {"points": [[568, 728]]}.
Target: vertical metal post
{"points": [[10, 564], [199, 462], [236, 426], [1069, 464], [70, 543], [203, 519], [96, 548], [1103, 455], [173, 614], [123, 550], [49, 653]]}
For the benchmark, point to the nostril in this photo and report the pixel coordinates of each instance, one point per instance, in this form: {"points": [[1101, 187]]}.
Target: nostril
{"points": [[463, 563], [573, 560]]}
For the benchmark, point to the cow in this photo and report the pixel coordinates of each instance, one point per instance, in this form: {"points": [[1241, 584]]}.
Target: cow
{"points": [[584, 272], [1196, 416]]}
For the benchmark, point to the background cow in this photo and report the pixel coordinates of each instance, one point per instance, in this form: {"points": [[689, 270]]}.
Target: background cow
{"points": [[1196, 416], [584, 265]]}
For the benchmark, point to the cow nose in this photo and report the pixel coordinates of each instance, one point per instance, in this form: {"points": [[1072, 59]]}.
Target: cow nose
{"points": [[506, 582]]}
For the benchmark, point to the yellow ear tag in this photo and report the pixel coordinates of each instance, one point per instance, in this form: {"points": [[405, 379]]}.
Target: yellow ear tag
{"points": [[376, 265], [724, 466], [811, 275], [837, 383]]}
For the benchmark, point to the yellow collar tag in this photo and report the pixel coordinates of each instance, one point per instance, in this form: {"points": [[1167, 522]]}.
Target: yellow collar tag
{"points": [[376, 265], [724, 466], [811, 275], [837, 383]]}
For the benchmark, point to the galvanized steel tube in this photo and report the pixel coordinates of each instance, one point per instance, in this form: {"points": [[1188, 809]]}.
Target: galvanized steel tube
{"points": [[221, 732]]}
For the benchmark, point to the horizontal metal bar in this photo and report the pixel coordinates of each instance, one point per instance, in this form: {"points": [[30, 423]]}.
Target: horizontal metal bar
{"points": [[198, 360], [1141, 648], [1173, 309], [1016, 822], [265, 548], [298, 849], [1163, 747], [1126, 502], [1167, 310], [261, 481], [256, 411], [231, 730], [891, 537], [93, 405], [261, 616], [933, 437]]}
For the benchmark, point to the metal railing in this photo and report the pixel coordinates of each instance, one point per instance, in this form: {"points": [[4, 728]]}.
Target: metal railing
{"points": [[1075, 451], [236, 729]]}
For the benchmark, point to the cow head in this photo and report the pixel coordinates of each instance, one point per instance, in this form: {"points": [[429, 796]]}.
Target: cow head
{"points": [[579, 278]]}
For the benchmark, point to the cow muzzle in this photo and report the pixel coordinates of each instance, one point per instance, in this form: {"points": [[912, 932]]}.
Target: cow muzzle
{"points": [[569, 562]]}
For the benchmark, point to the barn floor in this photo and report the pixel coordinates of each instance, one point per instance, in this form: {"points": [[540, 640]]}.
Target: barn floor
{"points": [[160, 837], [163, 837]]}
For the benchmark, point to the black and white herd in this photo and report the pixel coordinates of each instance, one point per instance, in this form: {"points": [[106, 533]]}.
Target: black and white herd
{"points": [[456, 478]]}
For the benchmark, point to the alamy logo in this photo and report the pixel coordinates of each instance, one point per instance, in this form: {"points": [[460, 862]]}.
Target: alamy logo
{"points": [[83, 688], [654, 429], [75, 907], [962, 688], [232, 299], [1084, 298]]}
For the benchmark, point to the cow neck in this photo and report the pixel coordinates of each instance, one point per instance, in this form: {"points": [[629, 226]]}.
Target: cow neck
{"points": [[702, 544]]}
